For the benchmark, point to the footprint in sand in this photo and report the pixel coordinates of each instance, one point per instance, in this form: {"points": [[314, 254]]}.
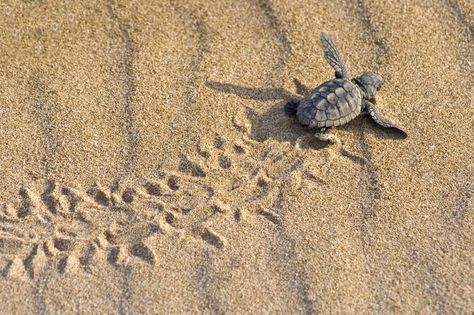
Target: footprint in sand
{"points": [[43, 230]]}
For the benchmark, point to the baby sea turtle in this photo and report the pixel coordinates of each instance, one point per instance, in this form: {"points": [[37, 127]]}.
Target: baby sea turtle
{"points": [[338, 101]]}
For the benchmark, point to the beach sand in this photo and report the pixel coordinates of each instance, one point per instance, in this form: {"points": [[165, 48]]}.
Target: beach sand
{"points": [[147, 165]]}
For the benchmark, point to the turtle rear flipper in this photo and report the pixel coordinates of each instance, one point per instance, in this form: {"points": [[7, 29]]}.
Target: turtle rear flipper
{"points": [[378, 118], [334, 57], [325, 135], [291, 107]]}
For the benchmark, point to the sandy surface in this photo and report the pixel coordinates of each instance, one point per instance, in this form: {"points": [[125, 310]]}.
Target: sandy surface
{"points": [[146, 163]]}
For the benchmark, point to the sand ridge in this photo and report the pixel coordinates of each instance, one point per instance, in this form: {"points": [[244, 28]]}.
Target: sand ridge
{"points": [[147, 162]]}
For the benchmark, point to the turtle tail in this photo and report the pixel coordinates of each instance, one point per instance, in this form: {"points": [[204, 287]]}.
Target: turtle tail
{"points": [[291, 107]]}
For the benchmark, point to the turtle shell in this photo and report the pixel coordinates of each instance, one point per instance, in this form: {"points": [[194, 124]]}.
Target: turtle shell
{"points": [[333, 103]]}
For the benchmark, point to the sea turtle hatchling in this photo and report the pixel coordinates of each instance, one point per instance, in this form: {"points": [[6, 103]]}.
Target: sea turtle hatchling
{"points": [[338, 101]]}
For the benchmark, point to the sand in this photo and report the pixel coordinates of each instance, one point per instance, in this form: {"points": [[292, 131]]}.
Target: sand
{"points": [[146, 163]]}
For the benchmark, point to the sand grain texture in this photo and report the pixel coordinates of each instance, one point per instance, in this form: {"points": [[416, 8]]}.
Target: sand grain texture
{"points": [[147, 164]]}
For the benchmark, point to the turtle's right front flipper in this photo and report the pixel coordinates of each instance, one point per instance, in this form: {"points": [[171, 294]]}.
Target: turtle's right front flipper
{"points": [[334, 57], [378, 118]]}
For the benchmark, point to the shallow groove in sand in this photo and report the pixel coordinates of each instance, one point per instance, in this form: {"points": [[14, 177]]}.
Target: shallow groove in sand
{"points": [[128, 82], [459, 13], [274, 23], [44, 106], [204, 271], [368, 24], [124, 285], [287, 257], [209, 291], [40, 290], [286, 243], [374, 189], [201, 48]]}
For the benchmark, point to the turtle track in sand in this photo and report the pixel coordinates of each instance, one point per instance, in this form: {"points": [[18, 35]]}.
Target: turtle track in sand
{"points": [[49, 221]]}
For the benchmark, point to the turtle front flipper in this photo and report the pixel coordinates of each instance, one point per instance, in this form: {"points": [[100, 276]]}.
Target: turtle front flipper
{"points": [[334, 57], [378, 118], [291, 107]]}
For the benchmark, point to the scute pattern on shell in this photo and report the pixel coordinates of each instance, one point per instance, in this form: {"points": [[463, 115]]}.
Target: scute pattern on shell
{"points": [[333, 103]]}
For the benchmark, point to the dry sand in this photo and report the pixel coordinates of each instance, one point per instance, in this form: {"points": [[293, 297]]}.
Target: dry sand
{"points": [[146, 163]]}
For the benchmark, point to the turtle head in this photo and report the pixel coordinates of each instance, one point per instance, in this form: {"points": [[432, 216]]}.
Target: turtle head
{"points": [[370, 82]]}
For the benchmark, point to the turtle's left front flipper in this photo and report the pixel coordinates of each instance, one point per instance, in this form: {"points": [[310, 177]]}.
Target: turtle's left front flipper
{"points": [[334, 57], [378, 118]]}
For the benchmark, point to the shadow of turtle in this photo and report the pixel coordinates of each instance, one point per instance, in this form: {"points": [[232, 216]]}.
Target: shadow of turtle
{"points": [[278, 125], [274, 123]]}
